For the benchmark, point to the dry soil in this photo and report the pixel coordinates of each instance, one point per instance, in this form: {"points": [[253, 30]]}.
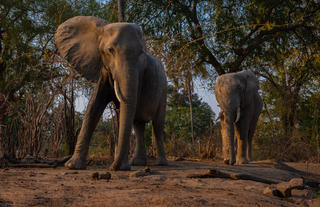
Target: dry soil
{"points": [[164, 186]]}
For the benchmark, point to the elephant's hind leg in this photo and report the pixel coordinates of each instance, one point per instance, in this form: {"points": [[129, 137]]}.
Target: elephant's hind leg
{"points": [[139, 156], [250, 137], [242, 137], [96, 106], [158, 129]]}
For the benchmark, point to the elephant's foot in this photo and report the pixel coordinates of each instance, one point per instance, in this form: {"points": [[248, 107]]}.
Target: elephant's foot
{"points": [[138, 161], [162, 161], [116, 165], [242, 161], [75, 162], [228, 161]]}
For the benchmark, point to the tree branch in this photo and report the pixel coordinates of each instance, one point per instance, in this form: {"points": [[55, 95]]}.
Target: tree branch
{"points": [[259, 39], [197, 33]]}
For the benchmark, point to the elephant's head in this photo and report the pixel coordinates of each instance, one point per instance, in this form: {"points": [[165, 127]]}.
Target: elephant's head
{"points": [[122, 49], [230, 91], [94, 46]]}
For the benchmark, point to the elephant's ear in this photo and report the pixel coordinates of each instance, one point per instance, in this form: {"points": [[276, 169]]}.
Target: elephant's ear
{"points": [[249, 84], [77, 42], [252, 81]]}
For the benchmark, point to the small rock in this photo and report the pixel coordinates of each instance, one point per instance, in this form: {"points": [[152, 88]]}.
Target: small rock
{"points": [[296, 183], [147, 170], [139, 173], [69, 173], [160, 178], [249, 188], [272, 190], [283, 190], [122, 176], [95, 176], [105, 176], [179, 159], [28, 158], [32, 174]]}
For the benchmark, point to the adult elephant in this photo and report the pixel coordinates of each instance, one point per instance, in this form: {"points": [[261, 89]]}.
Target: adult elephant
{"points": [[114, 56], [240, 107]]}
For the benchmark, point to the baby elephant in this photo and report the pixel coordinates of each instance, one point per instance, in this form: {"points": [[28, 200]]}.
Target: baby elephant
{"points": [[241, 105]]}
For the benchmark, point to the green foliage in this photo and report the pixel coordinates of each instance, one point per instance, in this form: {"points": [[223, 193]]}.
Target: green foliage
{"points": [[99, 141], [221, 35], [178, 116], [28, 71]]}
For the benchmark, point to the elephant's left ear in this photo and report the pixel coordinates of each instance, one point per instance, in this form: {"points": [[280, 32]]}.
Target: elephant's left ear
{"points": [[77, 42]]}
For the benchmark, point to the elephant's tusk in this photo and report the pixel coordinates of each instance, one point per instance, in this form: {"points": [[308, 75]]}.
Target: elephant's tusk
{"points": [[238, 115], [219, 115], [117, 91]]}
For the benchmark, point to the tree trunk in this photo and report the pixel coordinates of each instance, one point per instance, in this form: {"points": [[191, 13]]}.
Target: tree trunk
{"points": [[3, 112], [69, 120], [115, 130], [121, 8], [289, 111], [189, 82]]}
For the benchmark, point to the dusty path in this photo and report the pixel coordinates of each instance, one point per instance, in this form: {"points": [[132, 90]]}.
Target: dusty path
{"points": [[165, 186]]}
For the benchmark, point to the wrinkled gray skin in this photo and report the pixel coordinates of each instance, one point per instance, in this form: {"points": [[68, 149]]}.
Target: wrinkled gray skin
{"points": [[240, 107], [114, 56]]}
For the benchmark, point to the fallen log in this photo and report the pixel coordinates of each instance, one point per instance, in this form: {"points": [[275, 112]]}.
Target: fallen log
{"points": [[214, 173], [38, 163], [34, 165]]}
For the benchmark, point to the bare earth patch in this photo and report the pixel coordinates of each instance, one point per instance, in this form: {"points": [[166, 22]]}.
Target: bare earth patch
{"points": [[157, 186]]}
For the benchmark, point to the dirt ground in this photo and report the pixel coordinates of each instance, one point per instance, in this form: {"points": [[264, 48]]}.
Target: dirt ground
{"points": [[164, 186]]}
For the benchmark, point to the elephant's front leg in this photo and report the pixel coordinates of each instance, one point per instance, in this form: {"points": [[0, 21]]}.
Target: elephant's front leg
{"points": [[139, 157], [96, 106]]}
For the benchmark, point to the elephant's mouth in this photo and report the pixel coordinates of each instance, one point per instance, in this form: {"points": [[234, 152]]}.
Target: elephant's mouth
{"points": [[114, 82]]}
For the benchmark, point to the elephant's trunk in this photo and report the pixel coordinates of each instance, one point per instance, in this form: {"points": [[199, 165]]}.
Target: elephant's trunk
{"points": [[220, 115], [227, 132], [126, 90], [228, 145], [127, 112]]}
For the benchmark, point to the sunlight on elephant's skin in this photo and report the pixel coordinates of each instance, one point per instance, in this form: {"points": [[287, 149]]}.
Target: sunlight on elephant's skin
{"points": [[114, 56], [240, 107]]}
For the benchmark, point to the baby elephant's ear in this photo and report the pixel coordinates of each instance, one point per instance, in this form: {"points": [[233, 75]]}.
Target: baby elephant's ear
{"points": [[77, 42]]}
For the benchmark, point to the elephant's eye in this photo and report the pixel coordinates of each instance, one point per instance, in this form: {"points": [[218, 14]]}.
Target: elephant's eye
{"points": [[111, 50]]}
